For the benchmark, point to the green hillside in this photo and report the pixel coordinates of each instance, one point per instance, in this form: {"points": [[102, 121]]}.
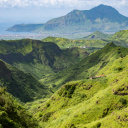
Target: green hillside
{"points": [[120, 38], [97, 35], [21, 85], [90, 45], [88, 67], [91, 103], [37, 57], [13, 115]]}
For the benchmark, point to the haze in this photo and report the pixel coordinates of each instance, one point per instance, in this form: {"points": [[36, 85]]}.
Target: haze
{"points": [[40, 11]]}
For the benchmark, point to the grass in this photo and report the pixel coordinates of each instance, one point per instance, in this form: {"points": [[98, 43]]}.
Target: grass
{"points": [[69, 43], [88, 67], [13, 115], [91, 103]]}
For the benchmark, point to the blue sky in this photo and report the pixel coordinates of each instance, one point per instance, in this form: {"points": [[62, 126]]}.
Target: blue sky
{"points": [[39, 11]]}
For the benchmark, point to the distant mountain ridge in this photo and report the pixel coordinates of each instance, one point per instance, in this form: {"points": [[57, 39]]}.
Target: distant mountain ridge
{"points": [[95, 15], [101, 18]]}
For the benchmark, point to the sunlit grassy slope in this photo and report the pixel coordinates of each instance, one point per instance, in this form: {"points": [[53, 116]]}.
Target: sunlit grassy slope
{"points": [[120, 38], [99, 40], [88, 67], [90, 45], [101, 102]]}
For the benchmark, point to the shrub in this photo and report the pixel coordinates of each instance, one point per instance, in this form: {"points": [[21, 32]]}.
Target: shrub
{"points": [[47, 116], [40, 115], [47, 105], [71, 126], [67, 90], [97, 125], [105, 112], [123, 101]]}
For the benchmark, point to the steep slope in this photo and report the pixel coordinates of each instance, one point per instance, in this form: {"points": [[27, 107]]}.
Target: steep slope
{"points": [[13, 115], [102, 17], [89, 66], [97, 35], [120, 38], [101, 102], [21, 85], [37, 57]]}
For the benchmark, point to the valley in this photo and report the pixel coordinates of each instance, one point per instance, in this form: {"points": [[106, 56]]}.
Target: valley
{"points": [[60, 82], [64, 86]]}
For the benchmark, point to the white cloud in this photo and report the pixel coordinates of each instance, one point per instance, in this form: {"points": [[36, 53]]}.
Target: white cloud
{"points": [[60, 3]]}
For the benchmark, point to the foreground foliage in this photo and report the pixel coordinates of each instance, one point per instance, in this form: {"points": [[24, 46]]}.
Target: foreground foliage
{"points": [[13, 115]]}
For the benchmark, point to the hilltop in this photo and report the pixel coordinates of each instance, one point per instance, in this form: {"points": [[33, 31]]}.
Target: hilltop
{"points": [[90, 45], [13, 115], [97, 35]]}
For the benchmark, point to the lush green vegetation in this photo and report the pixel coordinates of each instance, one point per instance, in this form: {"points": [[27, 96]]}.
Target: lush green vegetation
{"points": [[90, 91], [120, 38], [88, 67], [88, 45], [91, 103], [21, 85], [37, 57], [13, 115], [97, 35]]}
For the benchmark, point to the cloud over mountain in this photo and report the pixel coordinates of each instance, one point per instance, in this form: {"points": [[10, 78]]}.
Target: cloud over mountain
{"points": [[68, 3]]}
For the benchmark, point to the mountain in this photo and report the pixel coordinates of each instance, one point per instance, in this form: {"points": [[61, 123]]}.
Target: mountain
{"points": [[21, 85], [37, 57], [88, 67], [78, 23], [24, 27], [102, 17], [97, 35], [98, 102], [12, 114]]}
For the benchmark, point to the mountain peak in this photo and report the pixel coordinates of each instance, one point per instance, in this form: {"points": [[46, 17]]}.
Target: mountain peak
{"points": [[88, 20], [104, 9]]}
